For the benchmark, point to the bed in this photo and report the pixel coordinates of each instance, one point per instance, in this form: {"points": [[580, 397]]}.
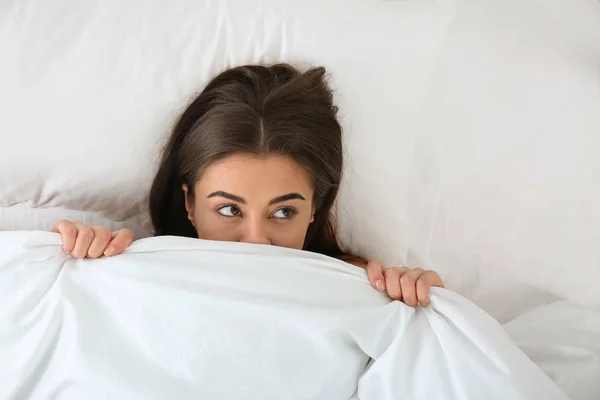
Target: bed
{"points": [[471, 135]]}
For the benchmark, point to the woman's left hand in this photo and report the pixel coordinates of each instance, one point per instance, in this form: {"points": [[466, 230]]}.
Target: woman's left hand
{"points": [[401, 283]]}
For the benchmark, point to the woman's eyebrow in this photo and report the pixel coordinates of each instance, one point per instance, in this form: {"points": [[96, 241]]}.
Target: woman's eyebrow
{"points": [[229, 196], [286, 197]]}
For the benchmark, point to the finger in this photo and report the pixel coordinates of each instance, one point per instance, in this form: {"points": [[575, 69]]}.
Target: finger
{"points": [[121, 239], [427, 280], [375, 275], [85, 235], [392, 282], [408, 282], [68, 234], [102, 237]]}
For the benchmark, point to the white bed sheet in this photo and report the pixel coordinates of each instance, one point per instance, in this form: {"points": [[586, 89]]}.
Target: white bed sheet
{"points": [[563, 339]]}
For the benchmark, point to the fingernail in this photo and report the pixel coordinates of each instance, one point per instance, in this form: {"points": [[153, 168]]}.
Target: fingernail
{"points": [[379, 286], [109, 252]]}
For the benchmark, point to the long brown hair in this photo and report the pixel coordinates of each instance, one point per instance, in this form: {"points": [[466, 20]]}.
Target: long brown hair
{"points": [[258, 110]]}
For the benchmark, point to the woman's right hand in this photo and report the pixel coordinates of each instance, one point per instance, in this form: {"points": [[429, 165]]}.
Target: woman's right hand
{"points": [[81, 241]]}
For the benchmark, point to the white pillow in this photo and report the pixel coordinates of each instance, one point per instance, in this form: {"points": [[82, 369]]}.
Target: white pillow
{"points": [[22, 217], [505, 193], [90, 90]]}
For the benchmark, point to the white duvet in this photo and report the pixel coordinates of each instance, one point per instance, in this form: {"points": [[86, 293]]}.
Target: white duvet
{"points": [[177, 318]]}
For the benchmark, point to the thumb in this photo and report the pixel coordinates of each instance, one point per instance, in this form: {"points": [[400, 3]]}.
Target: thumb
{"points": [[121, 239], [375, 275]]}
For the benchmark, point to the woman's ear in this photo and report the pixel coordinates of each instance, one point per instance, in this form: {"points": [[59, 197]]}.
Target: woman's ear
{"points": [[312, 217], [189, 207]]}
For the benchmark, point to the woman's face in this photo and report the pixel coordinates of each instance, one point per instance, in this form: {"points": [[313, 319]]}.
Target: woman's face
{"points": [[244, 198]]}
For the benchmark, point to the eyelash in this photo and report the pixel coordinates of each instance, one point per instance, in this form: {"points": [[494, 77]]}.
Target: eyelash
{"points": [[229, 217]]}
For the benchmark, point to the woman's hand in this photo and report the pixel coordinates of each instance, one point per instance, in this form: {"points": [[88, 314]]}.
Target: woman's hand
{"points": [[80, 240], [402, 283]]}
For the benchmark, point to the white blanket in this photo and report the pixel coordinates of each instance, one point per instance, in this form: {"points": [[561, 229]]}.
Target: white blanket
{"points": [[177, 318]]}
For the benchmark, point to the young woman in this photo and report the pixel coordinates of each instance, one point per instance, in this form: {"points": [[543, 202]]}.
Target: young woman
{"points": [[256, 157]]}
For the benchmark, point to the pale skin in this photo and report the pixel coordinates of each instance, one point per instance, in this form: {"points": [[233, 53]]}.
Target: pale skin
{"points": [[261, 200]]}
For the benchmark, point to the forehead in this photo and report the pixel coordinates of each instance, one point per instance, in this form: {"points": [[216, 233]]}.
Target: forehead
{"points": [[246, 175]]}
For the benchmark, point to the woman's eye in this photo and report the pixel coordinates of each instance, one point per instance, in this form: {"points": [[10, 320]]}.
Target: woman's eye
{"points": [[229, 211], [284, 213]]}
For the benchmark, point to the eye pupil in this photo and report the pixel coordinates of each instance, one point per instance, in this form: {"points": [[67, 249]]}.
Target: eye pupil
{"points": [[287, 212]]}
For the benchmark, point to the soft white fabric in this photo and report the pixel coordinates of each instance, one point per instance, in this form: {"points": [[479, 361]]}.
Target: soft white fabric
{"points": [[23, 217], [564, 340], [183, 318], [472, 150], [504, 190], [90, 89]]}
